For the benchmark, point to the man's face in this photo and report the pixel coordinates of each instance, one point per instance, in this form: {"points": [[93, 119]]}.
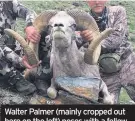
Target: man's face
{"points": [[97, 6]]}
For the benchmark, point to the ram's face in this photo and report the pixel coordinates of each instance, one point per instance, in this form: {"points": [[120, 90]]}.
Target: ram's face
{"points": [[62, 28]]}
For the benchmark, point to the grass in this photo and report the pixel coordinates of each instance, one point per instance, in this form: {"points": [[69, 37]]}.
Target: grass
{"points": [[39, 6], [124, 98]]}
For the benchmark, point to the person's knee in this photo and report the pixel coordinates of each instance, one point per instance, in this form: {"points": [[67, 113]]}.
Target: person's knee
{"points": [[16, 82], [130, 88]]}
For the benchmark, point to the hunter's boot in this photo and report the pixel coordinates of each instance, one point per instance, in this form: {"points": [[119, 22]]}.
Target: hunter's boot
{"points": [[20, 83], [42, 87], [41, 82]]}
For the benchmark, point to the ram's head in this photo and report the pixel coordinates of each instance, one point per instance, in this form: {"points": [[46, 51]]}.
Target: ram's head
{"points": [[62, 29], [63, 26]]}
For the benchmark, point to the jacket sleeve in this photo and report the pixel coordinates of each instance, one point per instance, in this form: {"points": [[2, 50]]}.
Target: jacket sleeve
{"points": [[114, 40], [23, 12]]}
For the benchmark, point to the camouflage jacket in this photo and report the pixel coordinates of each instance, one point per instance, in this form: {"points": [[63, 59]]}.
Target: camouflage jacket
{"points": [[9, 12], [118, 41]]}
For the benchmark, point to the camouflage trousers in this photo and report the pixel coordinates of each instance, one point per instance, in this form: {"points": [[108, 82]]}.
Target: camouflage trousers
{"points": [[10, 52], [44, 72], [124, 78]]}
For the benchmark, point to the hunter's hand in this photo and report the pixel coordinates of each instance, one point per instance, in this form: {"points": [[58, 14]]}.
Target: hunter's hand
{"points": [[32, 34], [27, 65], [87, 35]]}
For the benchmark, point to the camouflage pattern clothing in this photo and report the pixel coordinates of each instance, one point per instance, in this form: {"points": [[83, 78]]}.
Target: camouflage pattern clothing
{"points": [[8, 56], [118, 43], [10, 62], [9, 11]]}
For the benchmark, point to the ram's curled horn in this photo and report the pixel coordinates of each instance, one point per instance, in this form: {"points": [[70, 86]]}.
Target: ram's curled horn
{"points": [[86, 21], [93, 52], [40, 23], [42, 19], [31, 56], [31, 50]]}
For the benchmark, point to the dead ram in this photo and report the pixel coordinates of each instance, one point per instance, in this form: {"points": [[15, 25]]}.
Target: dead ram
{"points": [[66, 59]]}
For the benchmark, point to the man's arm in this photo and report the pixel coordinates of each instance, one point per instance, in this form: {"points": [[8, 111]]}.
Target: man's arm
{"points": [[114, 40], [16, 60], [23, 12], [119, 24], [29, 16]]}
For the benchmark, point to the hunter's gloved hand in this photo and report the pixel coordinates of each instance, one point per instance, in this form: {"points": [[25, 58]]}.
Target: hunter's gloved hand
{"points": [[32, 34], [27, 65], [87, 35]]}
